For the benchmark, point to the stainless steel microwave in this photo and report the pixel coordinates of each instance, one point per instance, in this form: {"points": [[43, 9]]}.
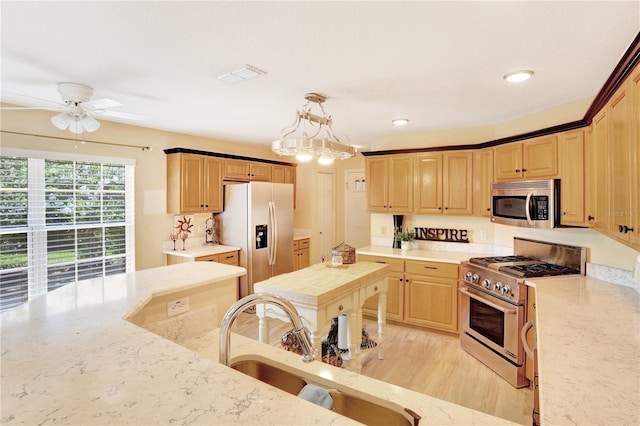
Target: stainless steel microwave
{"points": [[527, 204]]}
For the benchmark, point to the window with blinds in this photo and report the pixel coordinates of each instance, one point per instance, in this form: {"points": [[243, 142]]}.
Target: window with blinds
{"points": [[62, 221]]}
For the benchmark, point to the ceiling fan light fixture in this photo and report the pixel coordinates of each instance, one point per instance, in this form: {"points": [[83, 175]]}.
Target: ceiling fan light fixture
{"points": [[518, 76], [299, 139], [61, 121], [90, 124]]}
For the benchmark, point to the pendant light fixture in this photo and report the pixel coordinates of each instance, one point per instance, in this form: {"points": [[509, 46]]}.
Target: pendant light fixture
{"points": [[311, 136]]}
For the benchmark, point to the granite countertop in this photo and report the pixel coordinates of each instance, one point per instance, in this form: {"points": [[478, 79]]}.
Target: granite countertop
{"points": [[203, 250], [71, 357], [588, 340], [416, 254]]}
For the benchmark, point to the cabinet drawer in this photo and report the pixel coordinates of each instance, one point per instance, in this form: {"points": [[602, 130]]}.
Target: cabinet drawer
{"points": [[303, 244], [209, 258], [396, 265], [436, 269], [230, 258]]}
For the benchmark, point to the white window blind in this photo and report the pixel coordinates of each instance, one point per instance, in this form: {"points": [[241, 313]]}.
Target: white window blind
{"points": [[62, 221]]}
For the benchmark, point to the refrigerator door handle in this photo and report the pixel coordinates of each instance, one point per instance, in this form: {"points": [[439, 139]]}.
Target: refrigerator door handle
{"points": [[273, 219]]}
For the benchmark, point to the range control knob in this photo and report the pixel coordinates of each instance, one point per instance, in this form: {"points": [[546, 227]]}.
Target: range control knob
{"points": [[505, 290], [468, 276], [475, 278], [486, 283], [497, 286]]}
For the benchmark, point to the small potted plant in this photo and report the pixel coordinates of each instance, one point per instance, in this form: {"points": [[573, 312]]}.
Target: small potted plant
{"points": [[405, 237]]}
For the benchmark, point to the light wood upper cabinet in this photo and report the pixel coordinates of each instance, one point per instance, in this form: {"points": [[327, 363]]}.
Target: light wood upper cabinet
{"points": [[634, 89], [532, 159], [458, 183], [390, 183], [429, 185], [598, 172], [283, 174], [482, 180], [445, 183], [244, 171], [571, 163], [194, 184]]}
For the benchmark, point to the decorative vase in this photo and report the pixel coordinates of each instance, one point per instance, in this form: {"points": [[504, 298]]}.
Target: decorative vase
{"points": [[405, 245]]}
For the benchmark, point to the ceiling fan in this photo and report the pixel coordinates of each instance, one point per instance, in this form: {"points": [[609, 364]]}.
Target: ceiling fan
{"points": [[78, 109]]}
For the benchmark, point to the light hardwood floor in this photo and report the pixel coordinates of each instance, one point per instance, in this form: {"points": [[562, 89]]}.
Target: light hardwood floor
{"points": [[428, 363]]}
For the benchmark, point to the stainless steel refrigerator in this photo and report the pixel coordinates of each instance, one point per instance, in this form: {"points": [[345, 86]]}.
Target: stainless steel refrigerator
{"points": [[258, 218]]}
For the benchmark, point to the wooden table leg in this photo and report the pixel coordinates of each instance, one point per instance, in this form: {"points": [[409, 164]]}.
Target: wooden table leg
{"points": [[382, 319]]}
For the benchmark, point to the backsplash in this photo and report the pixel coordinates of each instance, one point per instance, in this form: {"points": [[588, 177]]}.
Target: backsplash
{"points": [[612, 275], [447, 246]]}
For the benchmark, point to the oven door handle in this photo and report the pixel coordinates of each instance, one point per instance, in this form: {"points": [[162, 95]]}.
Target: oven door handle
{"points": [[464, 291], [523, 336]]}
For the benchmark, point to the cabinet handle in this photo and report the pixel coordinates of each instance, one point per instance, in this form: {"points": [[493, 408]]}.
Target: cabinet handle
{"points": [[375, 288], [430, 267], [624, 228], [340, 307], [590, 218], [488, 209], [201, 205], [524, 170], [517, 170], [446, 208]]}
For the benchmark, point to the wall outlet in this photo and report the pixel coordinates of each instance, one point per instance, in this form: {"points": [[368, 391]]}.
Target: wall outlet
{"points": [[176, 307], [483, 235]]}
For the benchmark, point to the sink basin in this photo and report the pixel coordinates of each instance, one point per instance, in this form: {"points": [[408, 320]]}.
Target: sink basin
{"points": [[271, 375], [351, 406], [366, 412]]}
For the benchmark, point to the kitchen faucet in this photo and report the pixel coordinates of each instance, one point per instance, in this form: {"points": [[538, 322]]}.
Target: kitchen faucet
{"points": [[299, 330]]}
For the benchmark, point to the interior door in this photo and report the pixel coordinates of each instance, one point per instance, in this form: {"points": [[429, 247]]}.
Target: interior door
{"points": [[357, 223], [326, 215]]}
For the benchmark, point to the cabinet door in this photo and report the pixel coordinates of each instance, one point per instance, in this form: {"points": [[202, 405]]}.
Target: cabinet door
{"points": [[191, 185], [619, 163], [429, 184], [540, 158], [457, 183], [376, 174], [598, 172], [508, 161], [212, 181], [260, 172], [431, 302], [634, 90], [482, 180], [237, 170], [571, 160], [395, 298], [277, 174], [400, 184]]}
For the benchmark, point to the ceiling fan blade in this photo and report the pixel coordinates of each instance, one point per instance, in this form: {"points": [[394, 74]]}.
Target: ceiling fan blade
{"points": [[57, 104], [62, 108], [103, 103], [122, 114]]}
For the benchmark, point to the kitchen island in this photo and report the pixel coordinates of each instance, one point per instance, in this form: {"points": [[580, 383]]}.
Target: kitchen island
{"points": [[71, 357], [321, 292]]}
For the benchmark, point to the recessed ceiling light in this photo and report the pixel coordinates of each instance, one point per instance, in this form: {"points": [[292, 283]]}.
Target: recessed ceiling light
{"points": [[518, 76], [400, 121]]}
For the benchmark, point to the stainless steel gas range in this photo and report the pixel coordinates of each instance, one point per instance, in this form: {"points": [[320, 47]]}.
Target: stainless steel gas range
{"points": [[493, 300]]}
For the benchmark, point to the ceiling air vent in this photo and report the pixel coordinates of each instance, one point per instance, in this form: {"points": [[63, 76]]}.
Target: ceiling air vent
{"points": [[240, 73]]}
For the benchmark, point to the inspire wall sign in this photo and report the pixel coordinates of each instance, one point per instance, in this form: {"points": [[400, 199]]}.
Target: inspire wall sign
{"points": [[442, 234]]}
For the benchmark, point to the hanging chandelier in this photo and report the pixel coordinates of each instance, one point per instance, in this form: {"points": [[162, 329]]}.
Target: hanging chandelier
{"points": [[311, 136]]}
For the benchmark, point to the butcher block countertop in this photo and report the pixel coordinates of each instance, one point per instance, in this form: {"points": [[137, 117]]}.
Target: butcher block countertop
{"points": [[588, 340], [71, 357]]}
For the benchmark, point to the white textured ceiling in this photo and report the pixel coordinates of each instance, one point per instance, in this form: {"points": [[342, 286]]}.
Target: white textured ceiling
{"points": [[437, 63]]}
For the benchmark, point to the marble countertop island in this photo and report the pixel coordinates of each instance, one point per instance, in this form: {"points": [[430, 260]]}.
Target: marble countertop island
{"points": [[588, 340], [418, 254], [70, 357]]}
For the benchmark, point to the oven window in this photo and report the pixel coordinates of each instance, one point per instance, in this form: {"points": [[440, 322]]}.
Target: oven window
{"points": [[487, 321]]}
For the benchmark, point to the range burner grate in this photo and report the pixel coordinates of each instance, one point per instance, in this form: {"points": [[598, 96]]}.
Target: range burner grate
{"points": [[485, 261], [538, 270]]}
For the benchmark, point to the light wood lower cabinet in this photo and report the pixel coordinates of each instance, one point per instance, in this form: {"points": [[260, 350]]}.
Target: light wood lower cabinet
{"points": [[420, 293], [301, 257]]}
